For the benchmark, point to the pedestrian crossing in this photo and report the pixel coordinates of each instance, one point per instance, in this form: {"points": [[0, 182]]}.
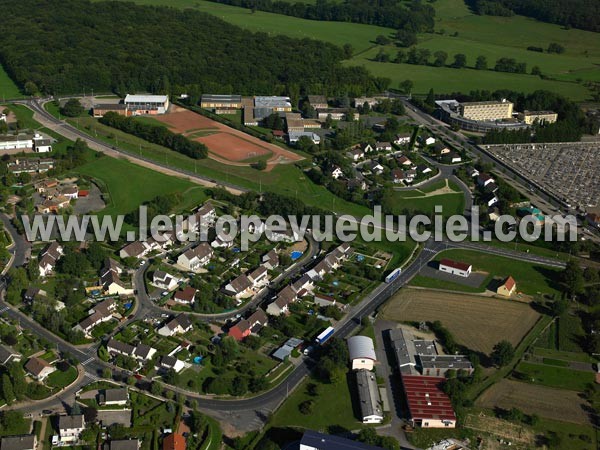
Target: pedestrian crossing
{"points": [[87, 361], [92, 376], [4, 309]]}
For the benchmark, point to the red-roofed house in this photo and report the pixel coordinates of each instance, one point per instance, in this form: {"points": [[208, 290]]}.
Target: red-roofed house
{"points": [[455, 267], [428, 405], [174, 441], [508, 287]]}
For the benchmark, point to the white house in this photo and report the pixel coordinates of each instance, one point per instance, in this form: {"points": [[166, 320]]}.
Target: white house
{"points": [[41, 144], [403, 138], [38, 368], [70, 427], [368, 394], [164, 280], [196, 257], [135, 249], [484, 179], [455, 268], [337, 172], [147, 104], [178, 325], [49, 257]]}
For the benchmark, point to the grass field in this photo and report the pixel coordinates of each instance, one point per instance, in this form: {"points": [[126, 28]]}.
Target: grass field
{"points": [[557, 404], [129, 185], [8, 89], [332, 407], [557, 377], [493, 37], [531, 279], [476, 322]]}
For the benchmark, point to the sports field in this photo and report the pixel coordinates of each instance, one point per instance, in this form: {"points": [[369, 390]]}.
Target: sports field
{"points": [[225, 144], [425, 200], [557, 404], [492, 37], [476, 322]]}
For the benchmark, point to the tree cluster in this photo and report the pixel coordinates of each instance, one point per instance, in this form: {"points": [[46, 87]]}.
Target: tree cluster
{"points": [[584, 14], [167, 50], [157, 134], [414, 16]]}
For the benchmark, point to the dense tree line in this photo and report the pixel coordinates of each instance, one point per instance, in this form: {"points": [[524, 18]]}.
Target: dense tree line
{"points": [[166, 51], [416, 16], [584, 14], [156, 134]]}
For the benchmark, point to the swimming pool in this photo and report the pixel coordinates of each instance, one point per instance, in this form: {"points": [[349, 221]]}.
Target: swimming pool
{"points": [[295, 255]]}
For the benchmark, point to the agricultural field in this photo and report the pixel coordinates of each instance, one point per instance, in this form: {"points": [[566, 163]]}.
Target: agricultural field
{"points": [[129, 185], [531, 279], [557, 404], [8, 89], [493, 37], [477, 323]]}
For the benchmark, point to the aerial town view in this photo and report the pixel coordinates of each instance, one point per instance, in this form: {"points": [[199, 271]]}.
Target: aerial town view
{"points": [[299, 224]]}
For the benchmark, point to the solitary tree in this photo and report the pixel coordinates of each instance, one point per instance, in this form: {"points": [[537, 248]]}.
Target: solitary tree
{"points": [[440, 58], [460, 61], [72, 108], [503, 353], [481, 63]]}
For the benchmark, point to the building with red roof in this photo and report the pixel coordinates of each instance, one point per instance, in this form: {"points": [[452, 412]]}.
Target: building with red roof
{"points": [[508, 287], [174, 441], [455, 267], [428, 405]]}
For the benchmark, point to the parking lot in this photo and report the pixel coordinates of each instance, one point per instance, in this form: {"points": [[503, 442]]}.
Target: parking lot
{"points": [[571, 171]]}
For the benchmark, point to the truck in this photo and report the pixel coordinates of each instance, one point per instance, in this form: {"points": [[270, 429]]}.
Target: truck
{"points": [[325, 335], [393, 275]]}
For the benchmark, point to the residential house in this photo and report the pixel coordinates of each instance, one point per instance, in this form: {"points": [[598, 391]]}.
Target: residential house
{"points": [[259, 277], [114, 397], [22, 442], [375, 167], [8, 355], [472, 172], [185, 296], [403, 138], [239, 287], [177, 325], [115, 347], [337, 172], [171, 363], [38, 368], [174, 441], [281, 304], [110, 279], [49, 257], [383, 146], [246, 327], [404, 161], [144, 352], [440, 149], [508, 287], [195, 258], [453, 157], [484, 179], [70, 428], [427, 140], [135, 249], [164, 280], [355, 154], [318, 101], [271, 260], [423, 168], [356, 184]]}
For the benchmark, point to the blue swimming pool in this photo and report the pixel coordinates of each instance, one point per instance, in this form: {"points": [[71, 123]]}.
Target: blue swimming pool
{"points": [[198, 359], [295, 255]]}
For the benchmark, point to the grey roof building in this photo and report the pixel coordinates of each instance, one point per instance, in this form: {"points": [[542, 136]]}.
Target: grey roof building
{"points": [[313, 440], [368, 395], [22, 442]]}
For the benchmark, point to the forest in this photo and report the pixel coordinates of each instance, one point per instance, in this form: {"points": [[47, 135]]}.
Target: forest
{"points": [[68, 46], [415, 17], [584, 14]]}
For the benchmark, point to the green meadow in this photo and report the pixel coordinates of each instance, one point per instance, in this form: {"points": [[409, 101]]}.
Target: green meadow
{"points": [[8, 89]]}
